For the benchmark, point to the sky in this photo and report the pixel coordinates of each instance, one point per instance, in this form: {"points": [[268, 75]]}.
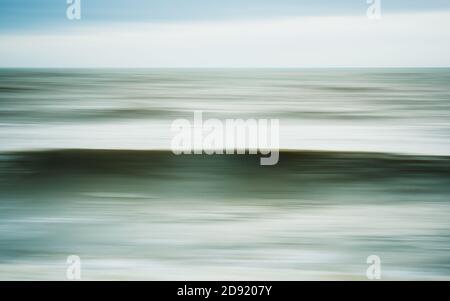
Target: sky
{"points": [[226, 33]]}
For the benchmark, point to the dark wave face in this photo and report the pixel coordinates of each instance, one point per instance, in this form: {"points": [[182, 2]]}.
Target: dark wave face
{"points": [[155, 215], [86, 169], [162, 175]]}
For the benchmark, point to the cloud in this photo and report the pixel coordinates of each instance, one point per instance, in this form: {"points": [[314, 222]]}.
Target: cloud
{"points": [[409, 40]]}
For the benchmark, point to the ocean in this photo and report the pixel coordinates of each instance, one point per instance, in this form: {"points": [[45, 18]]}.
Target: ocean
{"points": [[86, 169]]}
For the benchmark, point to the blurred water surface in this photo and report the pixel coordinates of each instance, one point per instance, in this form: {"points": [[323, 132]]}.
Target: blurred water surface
{"points": [[85, 169], [383, 110]]}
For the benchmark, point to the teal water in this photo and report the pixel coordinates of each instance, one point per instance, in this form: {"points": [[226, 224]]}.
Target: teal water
{"points": [[85, 169], [383, 110]]}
